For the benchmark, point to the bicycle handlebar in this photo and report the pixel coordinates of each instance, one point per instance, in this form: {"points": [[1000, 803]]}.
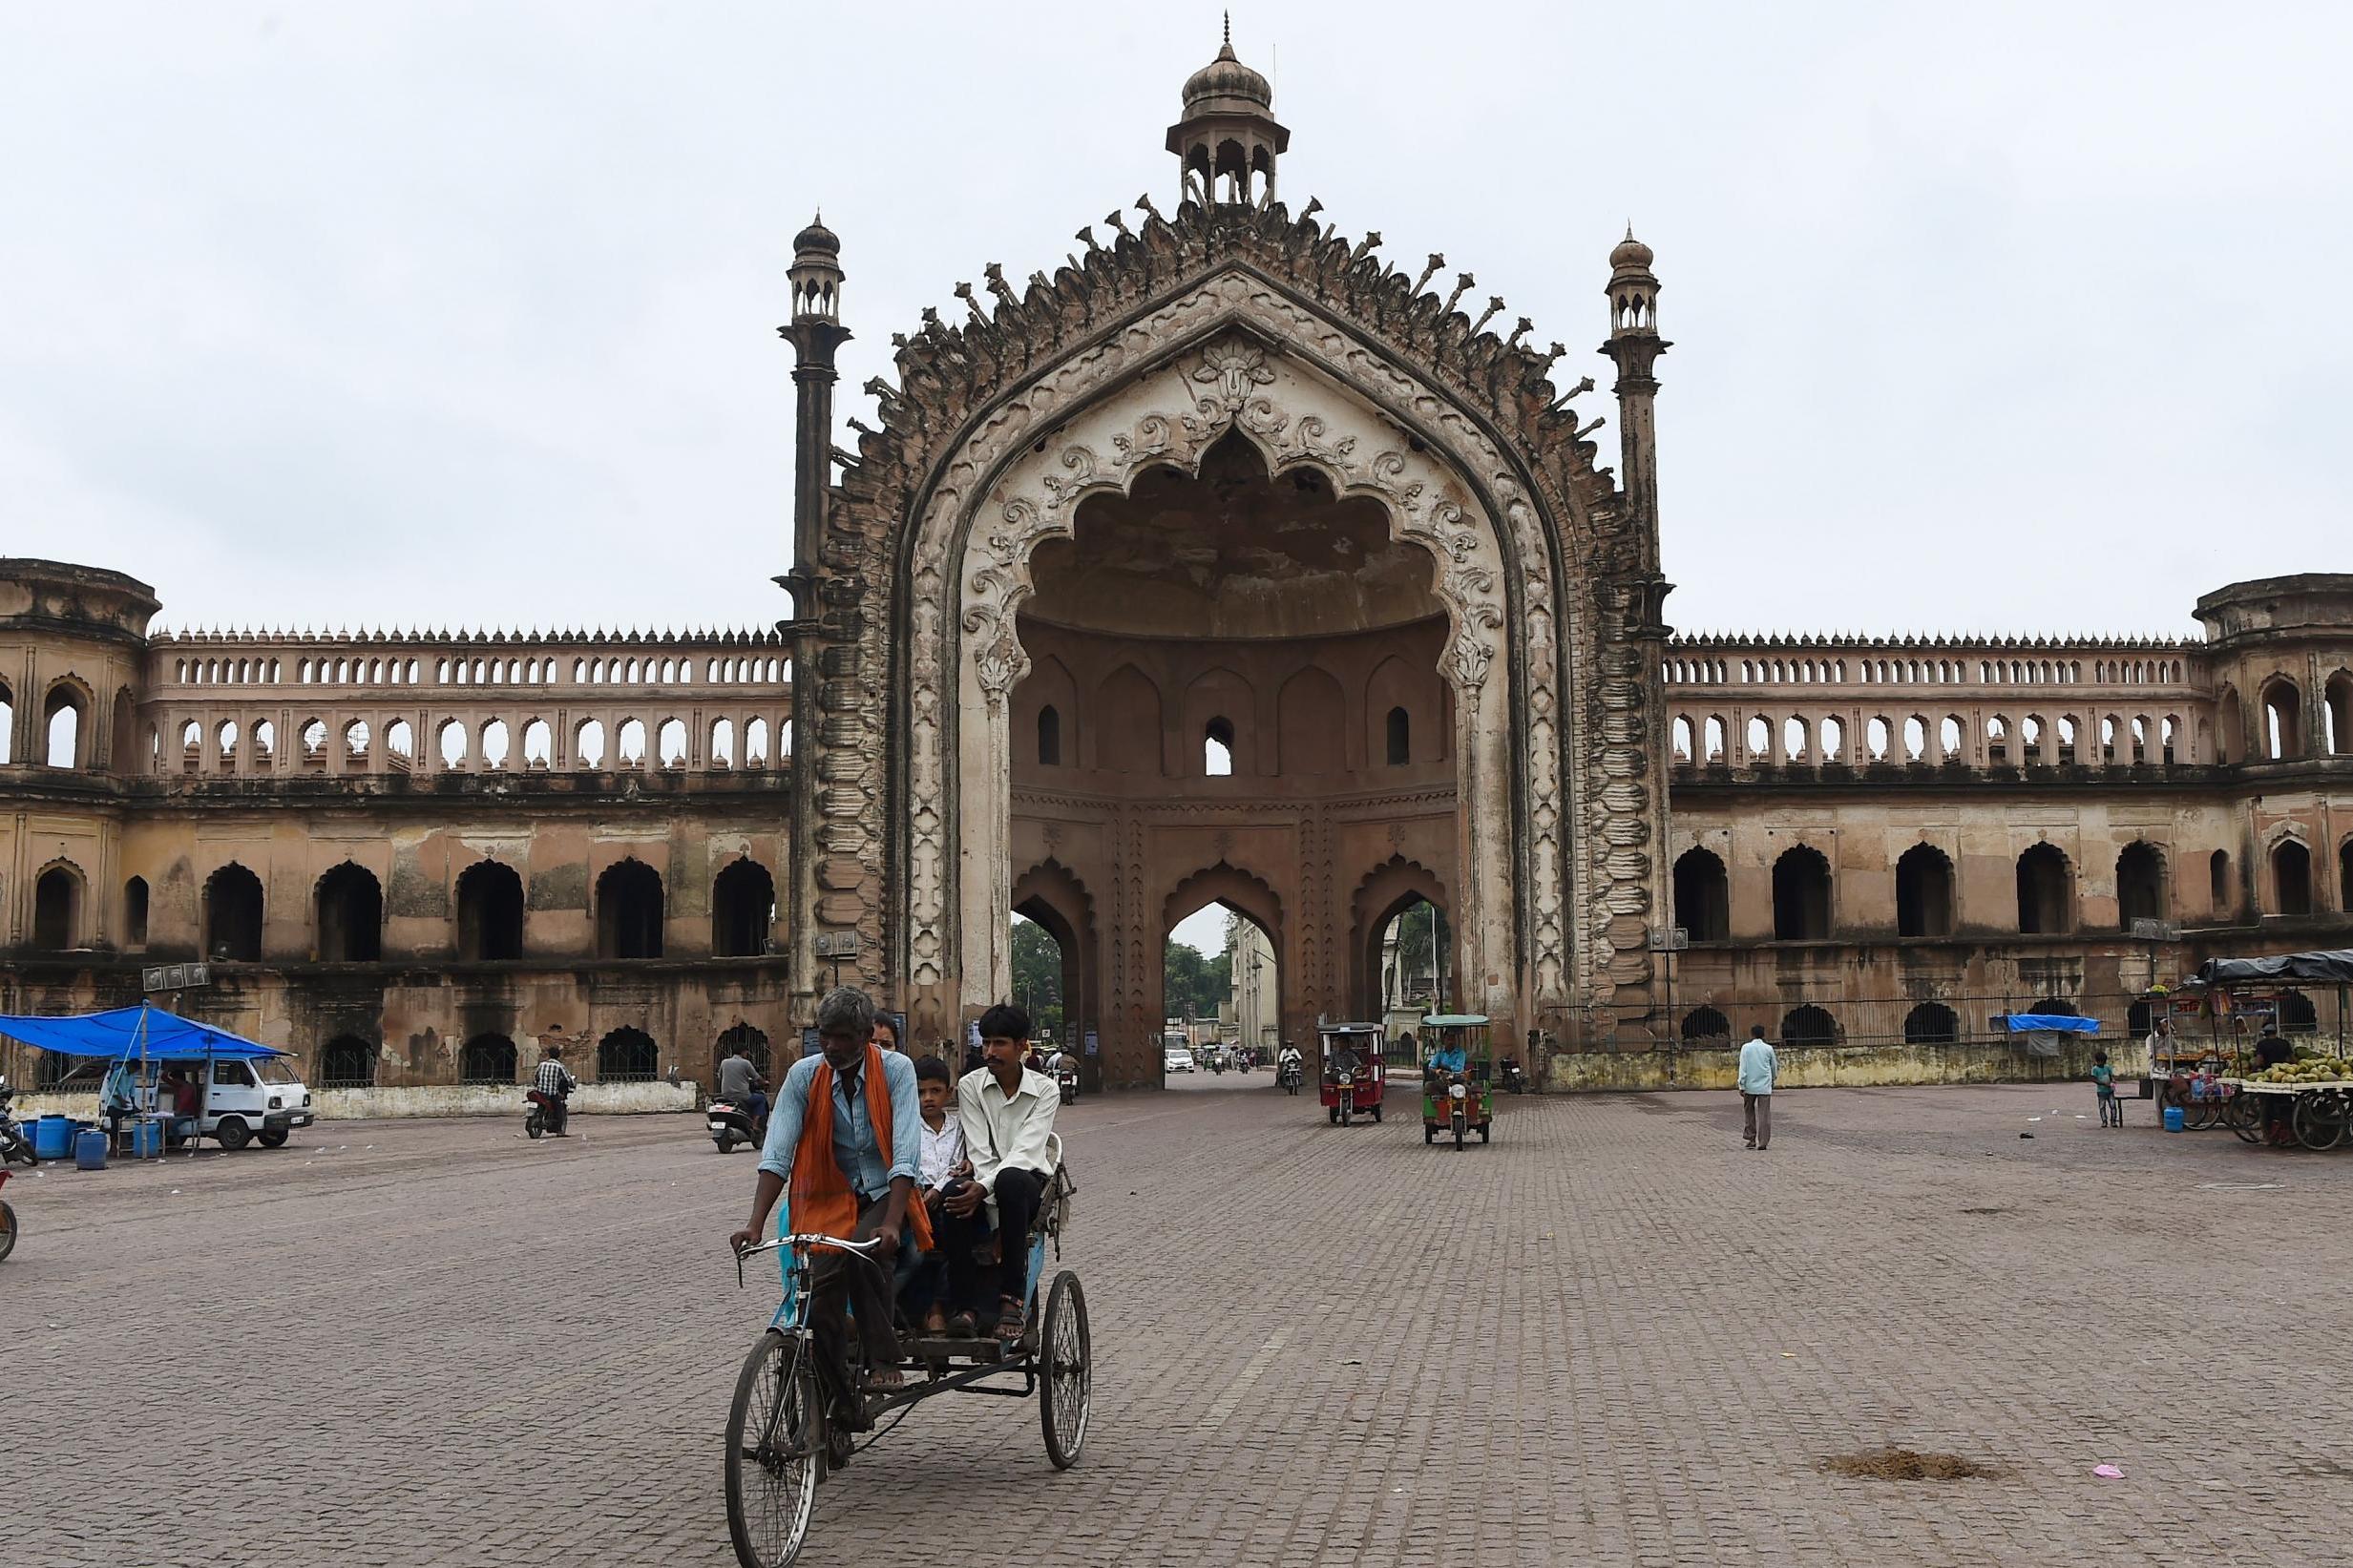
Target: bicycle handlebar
{"points": [[864, 1251]]}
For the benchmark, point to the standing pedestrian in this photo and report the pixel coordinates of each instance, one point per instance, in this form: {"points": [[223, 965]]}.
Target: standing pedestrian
{"points": [[1759, 1066], [2104, 1084]]}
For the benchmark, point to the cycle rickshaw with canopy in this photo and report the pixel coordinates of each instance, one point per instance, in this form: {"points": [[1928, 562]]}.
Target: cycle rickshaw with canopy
{"points": [[780, 1436]]}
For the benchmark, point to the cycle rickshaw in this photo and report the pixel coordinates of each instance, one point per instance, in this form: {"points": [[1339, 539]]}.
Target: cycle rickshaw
{"points": [[778, 1437]]}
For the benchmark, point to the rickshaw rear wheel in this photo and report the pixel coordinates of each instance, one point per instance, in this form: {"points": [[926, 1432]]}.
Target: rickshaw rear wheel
{"points": [[1376, 1113], [1482, 1132], [7, 1230], [1429, 1134], [772, 1440], [1066, 1372], [1332, 1113]]}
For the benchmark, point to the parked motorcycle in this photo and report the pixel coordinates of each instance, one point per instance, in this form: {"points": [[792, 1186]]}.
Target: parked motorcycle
{"points": [[546, 1114], [15, 1143], [7, 1220], [1066, 1080], [1515, 1082], [730, 1124]]}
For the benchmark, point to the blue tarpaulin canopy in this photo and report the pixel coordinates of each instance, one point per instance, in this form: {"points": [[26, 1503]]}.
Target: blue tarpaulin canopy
{"points": [[2018, 1023], [117, 1033]]}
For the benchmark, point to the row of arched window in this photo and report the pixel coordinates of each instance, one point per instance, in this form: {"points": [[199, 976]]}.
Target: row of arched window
{"points": [[630, 913], [1937, 1023], [64, 736], [532, 671], [627, 1054], [1925, 889], [472, 746], [1920, 672], [1998, 741]]}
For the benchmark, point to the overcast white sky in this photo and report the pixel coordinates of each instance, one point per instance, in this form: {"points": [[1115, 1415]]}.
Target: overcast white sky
{"points": [[1989, 316]]}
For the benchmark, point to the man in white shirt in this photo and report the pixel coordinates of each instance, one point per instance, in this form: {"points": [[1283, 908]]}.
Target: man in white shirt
{"points": [[1007, 1113], [1759, 1066]]}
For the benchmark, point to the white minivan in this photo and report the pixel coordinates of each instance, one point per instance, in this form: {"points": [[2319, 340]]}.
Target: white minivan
{"points": [[263, 1099]]}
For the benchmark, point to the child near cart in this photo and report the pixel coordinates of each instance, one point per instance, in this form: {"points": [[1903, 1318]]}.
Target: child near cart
{"points": [[2104, 1083]]}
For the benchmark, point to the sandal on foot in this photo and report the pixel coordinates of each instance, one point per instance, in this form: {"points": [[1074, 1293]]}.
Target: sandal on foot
{"points": [[936, 1322], [884, 1380], [963, 1326], [1012, 1321]]}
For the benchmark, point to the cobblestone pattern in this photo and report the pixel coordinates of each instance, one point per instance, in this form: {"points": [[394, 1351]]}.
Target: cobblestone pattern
{"points": [[1611, 1337]]}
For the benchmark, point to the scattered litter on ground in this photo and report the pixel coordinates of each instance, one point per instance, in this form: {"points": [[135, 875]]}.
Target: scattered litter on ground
{"points": [[2242, 1187], [1789, 1356], [1993, 1210], [2107, 1473], [2025, 1135], [1904, 1464]]}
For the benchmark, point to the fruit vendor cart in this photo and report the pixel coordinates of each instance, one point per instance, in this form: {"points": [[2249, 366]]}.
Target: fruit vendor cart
{"points": [[2306, 1102]]}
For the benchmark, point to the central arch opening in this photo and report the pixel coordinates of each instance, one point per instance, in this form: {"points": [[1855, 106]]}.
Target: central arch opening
{"points": [[1234, 670]]}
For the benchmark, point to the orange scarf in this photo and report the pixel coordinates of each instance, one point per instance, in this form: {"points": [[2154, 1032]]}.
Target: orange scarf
{"points": [[822, 1201]]}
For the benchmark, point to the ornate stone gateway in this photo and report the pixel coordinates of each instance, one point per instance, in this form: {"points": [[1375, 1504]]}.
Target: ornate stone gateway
{"points": [[1231, 465]]}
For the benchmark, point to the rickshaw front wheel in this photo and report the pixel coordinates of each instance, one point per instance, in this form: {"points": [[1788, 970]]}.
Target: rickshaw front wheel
{"points": [[772, 1440]]}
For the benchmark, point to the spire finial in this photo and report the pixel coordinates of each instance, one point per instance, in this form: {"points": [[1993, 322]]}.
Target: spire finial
{"points": [[1630, 228], [1228, 30]]}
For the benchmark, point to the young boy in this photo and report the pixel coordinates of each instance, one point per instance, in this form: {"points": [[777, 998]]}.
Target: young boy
{"points": [[2104, 1082], [941, 1167]]}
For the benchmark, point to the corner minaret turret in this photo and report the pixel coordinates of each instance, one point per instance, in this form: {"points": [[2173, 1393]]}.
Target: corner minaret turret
{"points": [[1227, 139], [816, 334], [1635, 345]]}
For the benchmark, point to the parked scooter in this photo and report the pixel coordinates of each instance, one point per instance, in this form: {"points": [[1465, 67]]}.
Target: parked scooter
{"points": [[1515, 1080], [729, 1124], [15, 1144], [7, 1220], [1066, 1080], [547, 1113]]}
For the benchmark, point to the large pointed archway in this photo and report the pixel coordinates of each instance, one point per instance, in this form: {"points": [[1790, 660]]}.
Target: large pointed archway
{"points": [[1243, 323]]}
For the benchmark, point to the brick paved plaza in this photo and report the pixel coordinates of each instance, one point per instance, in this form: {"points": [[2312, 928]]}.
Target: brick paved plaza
{"points": [[1611, 1337]]}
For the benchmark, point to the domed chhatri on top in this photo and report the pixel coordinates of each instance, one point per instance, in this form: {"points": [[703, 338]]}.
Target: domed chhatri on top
{"points": [[817, 237], [1629, 254], [1229, 138], [1226, 78]]}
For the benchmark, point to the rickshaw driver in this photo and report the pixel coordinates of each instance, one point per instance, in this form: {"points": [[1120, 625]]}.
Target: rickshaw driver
{"points": [[1448, 1056], [856, 1182]]}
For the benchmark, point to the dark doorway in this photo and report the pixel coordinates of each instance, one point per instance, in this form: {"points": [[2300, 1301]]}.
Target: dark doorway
{"points": [[2045, 891], [1932, 1023], [1808, 1025], [56, 909], [743, 910], [750, 1042], [1801, 895], [488, 1059], [1924, 892], [2291, 876], [1703, 896], [629, 911], [347, 1062], [233, 914], [350, 908], [2140, 883], [489, 912], [135, 912], [627, 1055]]}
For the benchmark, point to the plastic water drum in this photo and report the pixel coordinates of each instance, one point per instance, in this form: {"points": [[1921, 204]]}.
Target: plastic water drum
{"points": [[146, 1138], [89, 1149], [52, 1136], [2173, 1119]]}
